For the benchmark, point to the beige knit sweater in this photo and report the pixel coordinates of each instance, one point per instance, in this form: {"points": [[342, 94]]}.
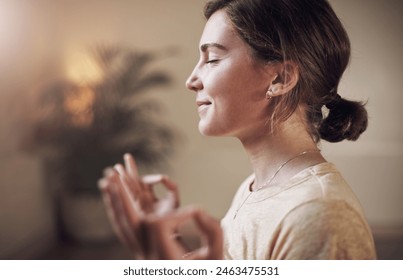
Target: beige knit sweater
{"points": [[315, 215]]}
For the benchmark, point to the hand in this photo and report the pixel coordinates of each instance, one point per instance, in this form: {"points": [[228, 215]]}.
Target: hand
{"points": [[162, 243], [142, 188], [129, 199]]}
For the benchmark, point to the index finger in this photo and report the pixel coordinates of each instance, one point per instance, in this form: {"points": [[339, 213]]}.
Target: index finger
{"points": [[131, 166], [212, 229], [171, 186]]}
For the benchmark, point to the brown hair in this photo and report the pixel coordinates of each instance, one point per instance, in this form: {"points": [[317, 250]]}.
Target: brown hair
{"points": [[309, 33]]}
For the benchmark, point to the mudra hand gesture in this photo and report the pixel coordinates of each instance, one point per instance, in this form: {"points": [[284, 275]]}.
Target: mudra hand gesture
{"points": [[148, 225]]}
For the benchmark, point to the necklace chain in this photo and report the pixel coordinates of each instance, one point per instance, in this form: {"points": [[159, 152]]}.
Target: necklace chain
{"points": [[273, 176]]}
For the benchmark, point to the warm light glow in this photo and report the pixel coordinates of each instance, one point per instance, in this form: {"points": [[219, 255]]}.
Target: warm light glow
{"points": [[5, 24], [80, 106], [11, 26], [80, 68]]}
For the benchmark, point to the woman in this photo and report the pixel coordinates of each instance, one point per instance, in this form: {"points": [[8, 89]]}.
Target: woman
{"points": [[268, 75]]}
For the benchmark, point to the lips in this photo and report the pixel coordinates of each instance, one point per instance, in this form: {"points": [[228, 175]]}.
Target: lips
{"points": [[202, 104]]}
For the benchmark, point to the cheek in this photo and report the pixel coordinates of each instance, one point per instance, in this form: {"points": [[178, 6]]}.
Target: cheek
{"points": [[225, 81], [219, 79], [235, 85]]}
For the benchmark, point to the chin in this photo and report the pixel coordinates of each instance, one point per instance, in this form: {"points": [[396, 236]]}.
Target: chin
{"points": [[206, 130]]}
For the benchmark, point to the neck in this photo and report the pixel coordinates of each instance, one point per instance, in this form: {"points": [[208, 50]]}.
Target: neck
{"points": [[268, 152]]}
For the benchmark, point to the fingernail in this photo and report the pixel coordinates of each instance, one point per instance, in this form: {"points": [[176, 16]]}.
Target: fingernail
{"points": [[151, 179], [109, 172], [106, 170], [102, 184]]}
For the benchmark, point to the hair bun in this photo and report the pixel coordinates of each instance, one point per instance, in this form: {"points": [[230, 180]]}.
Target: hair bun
{"points": [[334, 102], [346, 120]]}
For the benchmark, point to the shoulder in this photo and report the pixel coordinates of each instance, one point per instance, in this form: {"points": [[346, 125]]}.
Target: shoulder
{"points": [[321, 186], [327, 214], [324, 229]]}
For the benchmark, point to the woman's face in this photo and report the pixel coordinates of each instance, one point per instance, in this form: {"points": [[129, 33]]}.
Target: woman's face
{"points": [[230, 86]]}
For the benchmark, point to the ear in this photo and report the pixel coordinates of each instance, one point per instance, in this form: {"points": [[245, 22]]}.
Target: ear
{"points": [[284, 80]]}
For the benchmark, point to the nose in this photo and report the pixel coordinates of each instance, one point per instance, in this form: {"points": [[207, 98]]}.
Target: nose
{"points": [[194, 82]]}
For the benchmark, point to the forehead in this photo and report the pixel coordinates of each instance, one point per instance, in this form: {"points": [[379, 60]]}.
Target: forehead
{"points": [[219, 29]]}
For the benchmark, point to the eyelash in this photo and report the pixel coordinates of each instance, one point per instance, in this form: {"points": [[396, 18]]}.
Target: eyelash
{"points": [[212, 61]]}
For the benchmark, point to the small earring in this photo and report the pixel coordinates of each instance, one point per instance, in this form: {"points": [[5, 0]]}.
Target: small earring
{"points": [[271, 92], [273, 89]]}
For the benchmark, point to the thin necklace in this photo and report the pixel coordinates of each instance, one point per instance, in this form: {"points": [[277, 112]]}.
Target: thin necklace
{"points": [[272, 177]]}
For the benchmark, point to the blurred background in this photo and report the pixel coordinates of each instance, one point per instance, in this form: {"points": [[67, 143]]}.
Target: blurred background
{"points": [[83, 81]]}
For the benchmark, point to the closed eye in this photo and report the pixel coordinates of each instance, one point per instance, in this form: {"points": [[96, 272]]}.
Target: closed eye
{"points": [[212, 61]]}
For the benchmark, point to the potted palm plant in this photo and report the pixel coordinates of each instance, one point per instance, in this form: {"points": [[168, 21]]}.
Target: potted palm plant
{"points": [[79, 129]]}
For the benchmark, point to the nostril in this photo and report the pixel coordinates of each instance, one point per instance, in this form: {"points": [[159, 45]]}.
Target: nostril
{"points": [[193, 88], [193, 84]]}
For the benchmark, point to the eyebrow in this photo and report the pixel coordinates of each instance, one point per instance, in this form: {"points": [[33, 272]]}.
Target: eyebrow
{"points": [[204, 47]]}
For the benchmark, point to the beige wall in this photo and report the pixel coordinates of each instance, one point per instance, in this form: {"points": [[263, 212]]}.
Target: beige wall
{"points": [[374, 164], [208, 170]]}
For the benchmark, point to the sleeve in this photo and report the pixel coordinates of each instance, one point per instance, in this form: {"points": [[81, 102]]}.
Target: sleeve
{"points": [[323, 229]]}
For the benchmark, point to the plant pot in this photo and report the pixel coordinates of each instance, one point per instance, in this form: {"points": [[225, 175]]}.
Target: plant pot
{"points": [[83, 218]]}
